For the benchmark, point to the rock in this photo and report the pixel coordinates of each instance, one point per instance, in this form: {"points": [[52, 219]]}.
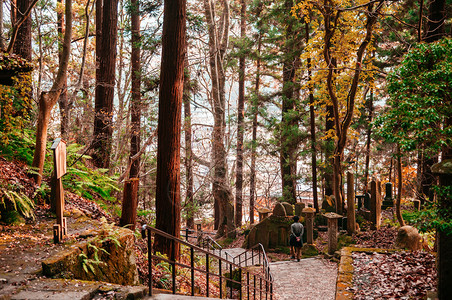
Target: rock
{"points": [[115, 264], [279, 210], [408, 238], [288, 207]]}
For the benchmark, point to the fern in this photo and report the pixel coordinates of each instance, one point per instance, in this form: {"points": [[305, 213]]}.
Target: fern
{"points": [[17, 201]]}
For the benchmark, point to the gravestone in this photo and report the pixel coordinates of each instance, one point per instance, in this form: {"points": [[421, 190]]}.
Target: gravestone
{"points": [[279, 210], [299, 206], [263, 213], [388, 200], [288, 207], [59, 159], [375, 206], [332, 231], [351, 221], [309, 213]]}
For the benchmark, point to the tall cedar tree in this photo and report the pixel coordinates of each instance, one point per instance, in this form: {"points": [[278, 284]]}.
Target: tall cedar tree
{"points": [[289, 121], [167, 199], [106, 37], [47, 100], [240, 123], [218, 44], [190, 203], [135, 104], [63, 99]]}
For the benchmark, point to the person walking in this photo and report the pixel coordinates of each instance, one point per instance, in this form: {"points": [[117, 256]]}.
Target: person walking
{"points": [[296, 238]]}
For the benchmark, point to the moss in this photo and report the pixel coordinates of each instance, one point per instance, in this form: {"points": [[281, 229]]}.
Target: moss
{"points": [[344, 240], [309, 251]]}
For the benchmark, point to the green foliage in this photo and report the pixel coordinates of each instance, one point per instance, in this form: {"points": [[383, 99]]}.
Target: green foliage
{"points": [[12, 199], [92, 184], [109, 234], [20, 144], [15, 105], [420, 90]]}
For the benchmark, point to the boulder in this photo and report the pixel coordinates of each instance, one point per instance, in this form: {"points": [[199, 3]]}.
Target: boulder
{"points": [[279, 210], [288, 207], [108, 257], [408, 238]]}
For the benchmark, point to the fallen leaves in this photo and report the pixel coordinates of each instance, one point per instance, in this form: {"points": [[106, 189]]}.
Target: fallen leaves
{"points": [[401, 275]]}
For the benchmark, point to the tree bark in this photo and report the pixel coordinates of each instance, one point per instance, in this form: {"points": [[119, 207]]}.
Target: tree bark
{"points": [[167, 197], [105, 86], [240, 124], [399, 188], [218, 42], [369, 133], [313, 135], [342, 124], [188, 148], [136, 94], [255, 110], [63, 99], [47, 100], [289, 142]]}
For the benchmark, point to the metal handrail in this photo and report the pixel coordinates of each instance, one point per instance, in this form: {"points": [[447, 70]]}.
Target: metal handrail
{"points": [[265, 262], [266, 290]]}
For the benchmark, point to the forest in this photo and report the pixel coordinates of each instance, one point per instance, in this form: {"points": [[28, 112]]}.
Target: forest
{"points": [[208, 114]]}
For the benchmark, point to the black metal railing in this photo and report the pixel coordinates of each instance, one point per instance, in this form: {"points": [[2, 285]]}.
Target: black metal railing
{"points": [[243, 282], [251, 257]]}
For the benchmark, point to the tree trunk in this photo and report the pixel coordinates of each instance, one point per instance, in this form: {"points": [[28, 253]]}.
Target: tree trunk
{"points": [[23, 49], [399, 188], [240, 124], [313, 137], [342, 124], [167, 199], [63, 99], [136, 94], [369, 133], [289, 142], [188, 149], [255, 110], [105, 87], [48, 99], [329, 147], [218, 42]]}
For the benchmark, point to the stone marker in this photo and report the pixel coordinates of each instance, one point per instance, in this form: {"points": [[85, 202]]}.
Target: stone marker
{"points": [[375, 207], [263, 213], [351, 221], [417, 204], [299, 206], [309, 212], [288, 207], [332, 231], [279, 210], [388, 200], [59, 159]]}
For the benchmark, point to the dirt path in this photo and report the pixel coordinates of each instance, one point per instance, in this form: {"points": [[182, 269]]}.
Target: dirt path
{"points": [[311, 278]]}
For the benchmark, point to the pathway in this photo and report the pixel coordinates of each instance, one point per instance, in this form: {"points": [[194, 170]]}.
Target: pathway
{"points": [[311, 278]]}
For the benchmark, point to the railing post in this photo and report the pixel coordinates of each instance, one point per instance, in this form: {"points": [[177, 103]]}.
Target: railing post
{"points": [[207, 274], [173, 254], [149, 261], [186, 234], [254, 283], [220, 279], [240, 276], [232, 278], [192, 266], [260, 287], [248, 285]]}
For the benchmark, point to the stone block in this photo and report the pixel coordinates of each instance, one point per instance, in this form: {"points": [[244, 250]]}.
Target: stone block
{"points": [[288, 207], [279, 210]]}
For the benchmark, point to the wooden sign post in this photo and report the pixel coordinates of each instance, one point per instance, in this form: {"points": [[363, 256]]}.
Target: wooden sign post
{"points": [[59, 160]]}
